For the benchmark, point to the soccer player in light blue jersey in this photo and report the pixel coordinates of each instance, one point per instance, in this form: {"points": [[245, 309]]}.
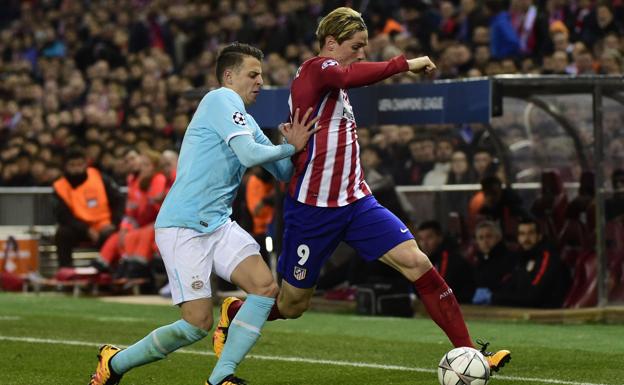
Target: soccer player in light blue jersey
{"points": [[194, 232]]}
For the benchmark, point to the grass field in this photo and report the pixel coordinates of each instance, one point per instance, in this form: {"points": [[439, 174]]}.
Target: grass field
{"points": [[51, 339]]}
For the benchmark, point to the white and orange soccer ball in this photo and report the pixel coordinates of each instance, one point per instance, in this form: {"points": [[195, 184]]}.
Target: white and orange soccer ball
{"points": [[463, 366]]}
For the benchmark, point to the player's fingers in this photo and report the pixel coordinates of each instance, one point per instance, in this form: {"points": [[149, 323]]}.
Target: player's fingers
{"points": [[296, 117], [312, 122], [307, 115], [314, 129]]}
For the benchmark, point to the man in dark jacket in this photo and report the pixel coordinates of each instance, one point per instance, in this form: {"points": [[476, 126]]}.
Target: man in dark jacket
{"points": [[87, 205], [494, 262], [448, 261], [539, 278]]}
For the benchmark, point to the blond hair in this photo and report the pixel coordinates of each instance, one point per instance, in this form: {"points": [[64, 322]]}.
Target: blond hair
{"points": [[341, 23]]}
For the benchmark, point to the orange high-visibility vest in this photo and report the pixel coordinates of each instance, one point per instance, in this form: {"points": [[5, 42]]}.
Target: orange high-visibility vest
{"points": [[88, 202], [256, 191]]}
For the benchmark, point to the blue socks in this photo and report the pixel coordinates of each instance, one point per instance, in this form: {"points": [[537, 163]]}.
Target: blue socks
{"points": [[156, 345], [243, 333]]}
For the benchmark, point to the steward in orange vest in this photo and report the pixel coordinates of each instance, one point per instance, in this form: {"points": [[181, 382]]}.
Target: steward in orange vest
{"points": [[87, 206]]}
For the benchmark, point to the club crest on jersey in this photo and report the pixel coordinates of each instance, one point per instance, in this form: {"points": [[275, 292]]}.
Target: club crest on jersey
{"points": [[300, 273], [239, 119], [328, 63]]}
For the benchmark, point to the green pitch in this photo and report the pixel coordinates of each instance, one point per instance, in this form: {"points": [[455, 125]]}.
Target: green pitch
{"points": [[50, 339]]}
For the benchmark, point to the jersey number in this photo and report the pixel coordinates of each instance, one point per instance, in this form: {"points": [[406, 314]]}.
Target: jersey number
{"points": [[303, 251]]}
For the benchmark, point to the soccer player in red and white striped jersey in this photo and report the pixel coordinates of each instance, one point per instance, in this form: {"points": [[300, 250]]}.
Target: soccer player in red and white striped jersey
{"points": [[328, 200]]}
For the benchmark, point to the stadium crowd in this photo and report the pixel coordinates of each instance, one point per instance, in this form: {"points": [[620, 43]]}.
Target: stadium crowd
{"points": [[109, 77]]}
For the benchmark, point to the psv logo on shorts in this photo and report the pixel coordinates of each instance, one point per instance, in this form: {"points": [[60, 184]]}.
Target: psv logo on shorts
{"points": [[300, 273], [239, 119]]}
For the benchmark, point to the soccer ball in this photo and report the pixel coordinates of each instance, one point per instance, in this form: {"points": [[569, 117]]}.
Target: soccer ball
{"points": [[463, 366]]}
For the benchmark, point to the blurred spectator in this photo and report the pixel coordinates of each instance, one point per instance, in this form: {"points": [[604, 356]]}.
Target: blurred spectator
{"points": [[111, 77], [470, 16], [460, 173], [614, 206], [445, 256], [504, 41], [381, 182], [21, 175], [583, 62], [438, 175], [482, 161], [551, 205], [501, 205], [494, 262], [169, 165], [611, 62], [128, 251], [539, 278], [86, 206], [599, 23], [422, 156]]}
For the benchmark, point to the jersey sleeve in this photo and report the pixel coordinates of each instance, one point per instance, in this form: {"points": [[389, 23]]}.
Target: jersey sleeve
{"points": [[330, 74], [226, 114], [281, 169]]}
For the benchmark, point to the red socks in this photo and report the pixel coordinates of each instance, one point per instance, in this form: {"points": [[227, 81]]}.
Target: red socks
{"points": [[442, 307], [273, 315]]}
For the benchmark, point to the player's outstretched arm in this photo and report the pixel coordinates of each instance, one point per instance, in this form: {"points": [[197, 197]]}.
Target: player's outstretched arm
{"points": [[251, 153], [421, 64]]}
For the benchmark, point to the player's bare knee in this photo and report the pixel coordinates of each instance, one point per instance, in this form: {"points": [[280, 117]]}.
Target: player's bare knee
{"points": [[202, 321], [419, 261], [266, 289], [292, 310], [199, 319]]}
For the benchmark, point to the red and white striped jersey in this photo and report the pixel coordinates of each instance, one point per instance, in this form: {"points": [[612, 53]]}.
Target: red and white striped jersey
{"points": [[328, 171]]}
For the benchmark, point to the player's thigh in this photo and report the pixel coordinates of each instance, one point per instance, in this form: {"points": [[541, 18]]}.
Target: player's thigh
{"points": [[293, 301], [232, 247], [408, 259], [188, 261], [311, 234], [374, 230], [254, 277]]}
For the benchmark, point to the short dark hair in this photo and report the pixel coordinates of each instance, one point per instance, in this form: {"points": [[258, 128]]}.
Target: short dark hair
{"points": [[233, 55], [431, 225], [74, 153], [529, 220]]}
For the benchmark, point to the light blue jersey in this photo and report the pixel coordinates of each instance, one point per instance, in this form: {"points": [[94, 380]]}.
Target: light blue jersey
{"points": [[209, 170]]}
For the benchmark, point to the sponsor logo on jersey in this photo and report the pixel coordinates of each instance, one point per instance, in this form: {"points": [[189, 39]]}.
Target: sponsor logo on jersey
{"points": [[239, 119], [300, 273], [328, 63]]}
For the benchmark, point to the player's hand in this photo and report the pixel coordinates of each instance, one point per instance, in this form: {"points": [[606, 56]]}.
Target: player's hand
{"points": [[421, 64], [299, 131]]}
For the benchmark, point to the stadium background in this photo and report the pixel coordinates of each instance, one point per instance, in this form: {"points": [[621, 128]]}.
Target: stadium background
{"points": [[114, 76]]}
